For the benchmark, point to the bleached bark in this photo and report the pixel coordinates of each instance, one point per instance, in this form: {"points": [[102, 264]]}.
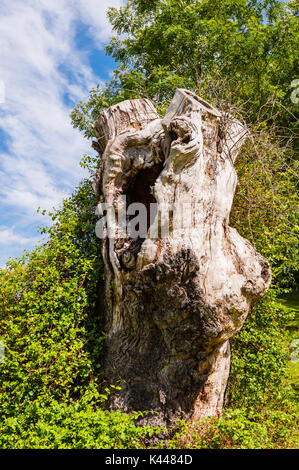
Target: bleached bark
{"points": [[173, 302]]}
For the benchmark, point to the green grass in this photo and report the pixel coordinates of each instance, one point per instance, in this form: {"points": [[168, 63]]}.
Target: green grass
{"points": [[290, 303]]}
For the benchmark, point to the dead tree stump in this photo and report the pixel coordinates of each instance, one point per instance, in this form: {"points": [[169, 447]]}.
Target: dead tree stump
{"points": [[177, 293]]}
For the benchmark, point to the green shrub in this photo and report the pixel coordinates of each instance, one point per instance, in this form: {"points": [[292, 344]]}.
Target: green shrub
{"points": [[47, 301], [260, 356], [238, 429], [76, 426], [50, 380]]}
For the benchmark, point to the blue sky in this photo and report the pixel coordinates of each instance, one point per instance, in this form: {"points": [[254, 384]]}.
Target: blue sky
{"points": [[52, 54]]}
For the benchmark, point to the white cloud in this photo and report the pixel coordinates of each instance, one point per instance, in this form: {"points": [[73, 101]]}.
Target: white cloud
{"points": [[9, 237], [91, 12], [39, 66]]}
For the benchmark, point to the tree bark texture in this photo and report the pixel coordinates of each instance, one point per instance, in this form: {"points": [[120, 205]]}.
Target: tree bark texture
{"points": [[172, 303]]}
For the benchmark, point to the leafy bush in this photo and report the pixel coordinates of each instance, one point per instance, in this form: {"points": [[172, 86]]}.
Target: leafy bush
{"points": [[47, 302], [75, 426], [238, 429], [260, 357], [50, 384]]}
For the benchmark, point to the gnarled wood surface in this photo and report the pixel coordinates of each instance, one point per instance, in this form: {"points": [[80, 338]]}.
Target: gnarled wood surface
{"points": [[172, 303]]}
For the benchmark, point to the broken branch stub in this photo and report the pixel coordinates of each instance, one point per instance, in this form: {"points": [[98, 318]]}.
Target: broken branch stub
{"points": [[175, 295]]}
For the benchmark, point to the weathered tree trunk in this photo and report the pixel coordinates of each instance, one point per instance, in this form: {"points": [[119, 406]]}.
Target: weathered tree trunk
{"points": [[173, 299]]}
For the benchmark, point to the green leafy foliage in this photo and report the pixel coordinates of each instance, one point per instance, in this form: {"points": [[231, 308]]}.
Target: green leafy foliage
{"points": [[260, 358], [51, 392], [263, 208], [75, 426], [238, 429], [247, 45], [47, 299]]}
